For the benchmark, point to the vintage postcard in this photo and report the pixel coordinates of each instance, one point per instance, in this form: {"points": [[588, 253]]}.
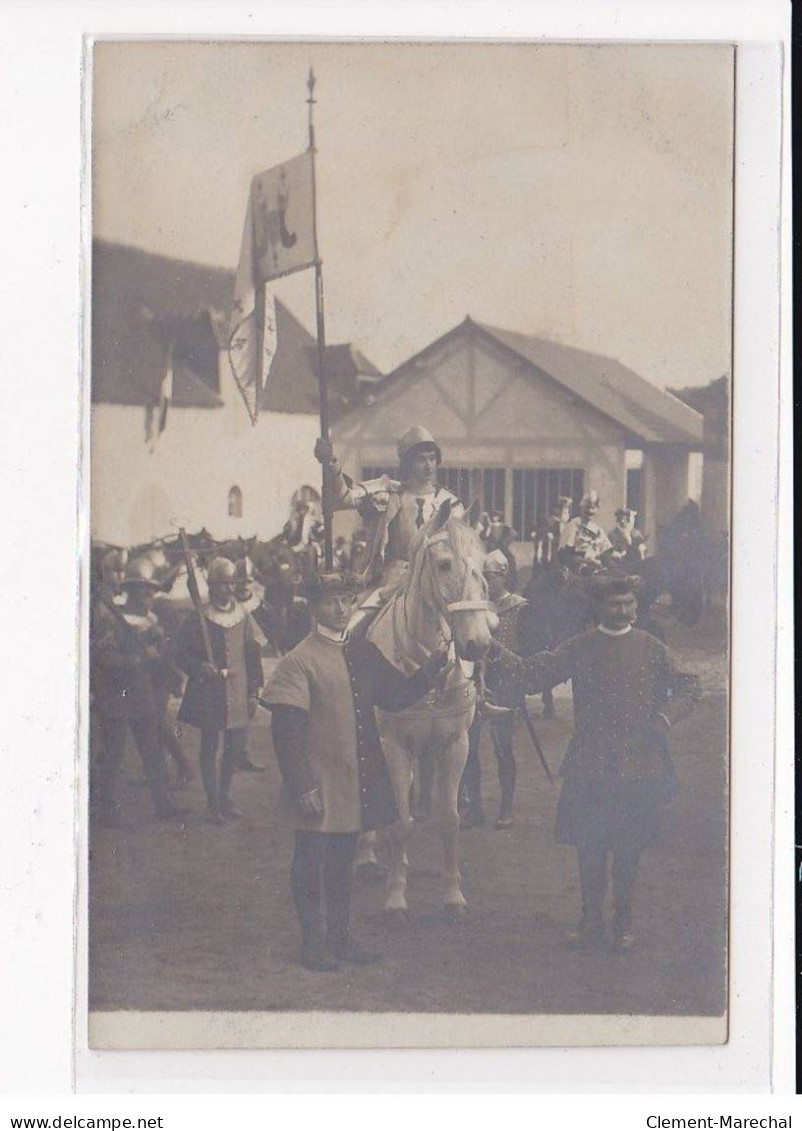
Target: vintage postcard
{"points": [[408, 621]]}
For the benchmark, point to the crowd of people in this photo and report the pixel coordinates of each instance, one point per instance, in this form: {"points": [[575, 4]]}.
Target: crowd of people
{"points": [[577, 621]]}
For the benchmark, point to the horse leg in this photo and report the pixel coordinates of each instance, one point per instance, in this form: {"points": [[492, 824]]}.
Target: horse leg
{"points": [[450, 766], [366, 863], [399, 763]]}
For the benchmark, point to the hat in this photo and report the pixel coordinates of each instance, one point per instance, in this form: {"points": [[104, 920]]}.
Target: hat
{"points": [[140, 572], [496, 562], [625, 511], [590, 499], [330, 585], [417, 437], [614, 586]]}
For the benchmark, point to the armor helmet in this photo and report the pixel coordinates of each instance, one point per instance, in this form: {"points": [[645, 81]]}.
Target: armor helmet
{"points": [[114, 561], [496, 562], [416, 437], [244, 570], [243, 579], [221, 569], [590, 501], [140, 572]]}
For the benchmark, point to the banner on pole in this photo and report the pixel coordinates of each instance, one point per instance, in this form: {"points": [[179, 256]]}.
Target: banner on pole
{"points": [[278, 239]]}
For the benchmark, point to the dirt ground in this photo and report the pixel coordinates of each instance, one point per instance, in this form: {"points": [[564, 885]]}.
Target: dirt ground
{"points": [[196, 917]]}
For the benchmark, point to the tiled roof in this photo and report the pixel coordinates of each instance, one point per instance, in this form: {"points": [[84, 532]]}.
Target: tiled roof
{"points": [[141, 300]]}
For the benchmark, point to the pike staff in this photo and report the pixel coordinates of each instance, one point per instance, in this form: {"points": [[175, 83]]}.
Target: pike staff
{"points": [[194, 592], [321, 341]]}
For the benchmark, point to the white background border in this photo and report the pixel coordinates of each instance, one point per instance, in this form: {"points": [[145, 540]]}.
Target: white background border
{"points": [[40, 55]]}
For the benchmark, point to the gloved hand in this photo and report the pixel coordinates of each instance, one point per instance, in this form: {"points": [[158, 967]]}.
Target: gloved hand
{"points": [[311, 804], [324, 454]]}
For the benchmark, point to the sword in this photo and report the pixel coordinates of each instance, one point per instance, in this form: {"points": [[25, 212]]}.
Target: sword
{"points": [[536, 741]]}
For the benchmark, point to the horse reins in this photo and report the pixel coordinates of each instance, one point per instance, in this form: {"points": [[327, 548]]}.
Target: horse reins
{"points": [[461, 606]]}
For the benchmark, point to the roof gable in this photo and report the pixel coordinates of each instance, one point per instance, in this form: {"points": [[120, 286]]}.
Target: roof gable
{"points": [[649, 413]]}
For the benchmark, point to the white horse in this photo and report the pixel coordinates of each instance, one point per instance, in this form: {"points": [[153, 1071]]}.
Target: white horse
{"points": [[442, 597]]}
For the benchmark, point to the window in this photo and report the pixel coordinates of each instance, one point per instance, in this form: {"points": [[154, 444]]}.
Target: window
{"points": [[458, 480], [535, 493], [634, 466], [235, 503], [634, 489], [378, 472]]}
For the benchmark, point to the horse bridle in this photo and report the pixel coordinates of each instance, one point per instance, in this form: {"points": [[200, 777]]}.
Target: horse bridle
{"points": [[450, 607]]}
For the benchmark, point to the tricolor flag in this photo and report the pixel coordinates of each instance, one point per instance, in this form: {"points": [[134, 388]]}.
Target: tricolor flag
{"points": [[278, 239], [156, 418], [166, 391]]}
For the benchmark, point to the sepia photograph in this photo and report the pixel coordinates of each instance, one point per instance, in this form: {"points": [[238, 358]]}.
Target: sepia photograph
{"points": [[410, 370]]}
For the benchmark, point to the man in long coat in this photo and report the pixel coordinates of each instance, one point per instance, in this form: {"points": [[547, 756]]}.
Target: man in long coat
{"points": [[131, 670], [628, 692], [221, 694], [336, 783]]}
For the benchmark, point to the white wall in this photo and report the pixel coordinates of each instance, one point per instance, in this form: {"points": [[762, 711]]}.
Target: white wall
{"points": [[138, 494]]}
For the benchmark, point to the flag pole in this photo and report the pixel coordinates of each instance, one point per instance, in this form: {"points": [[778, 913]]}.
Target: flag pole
{"points": [[321, 339], [259, 311]]}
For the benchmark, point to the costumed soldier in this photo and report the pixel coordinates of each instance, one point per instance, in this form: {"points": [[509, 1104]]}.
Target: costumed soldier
{"points": [[628, 545], [393, 511], [547, 537], [497, 709], [335, 780], [220, 696], [130, 667], [583, 541], [499, 537], [250, 594], [628, 692], [112, 573], [558, 520]]}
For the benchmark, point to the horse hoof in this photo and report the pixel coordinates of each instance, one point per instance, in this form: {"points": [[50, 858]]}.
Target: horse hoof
{"points": [[369, 872], [456, 913], [396, 917]]}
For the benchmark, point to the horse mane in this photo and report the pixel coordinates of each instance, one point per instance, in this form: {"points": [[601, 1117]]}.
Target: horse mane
{"points": [[463, 537]]}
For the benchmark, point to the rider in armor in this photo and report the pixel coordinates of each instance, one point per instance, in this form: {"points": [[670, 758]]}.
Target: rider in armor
{"points": [[583, 541], [393, 510]]}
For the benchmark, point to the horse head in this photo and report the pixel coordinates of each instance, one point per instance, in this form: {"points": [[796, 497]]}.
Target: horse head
{"points": [[446, 561]]}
